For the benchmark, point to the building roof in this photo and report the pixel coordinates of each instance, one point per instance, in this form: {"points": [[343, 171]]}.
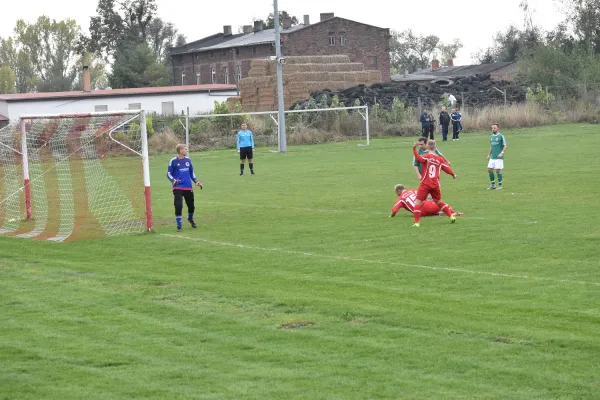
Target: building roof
{"points": [[117, 92], [205, 42], [451, 72], [219, 41]]}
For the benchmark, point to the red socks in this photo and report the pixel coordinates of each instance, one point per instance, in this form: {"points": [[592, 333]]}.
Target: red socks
{"points": [[417, 213], [446, 208]]}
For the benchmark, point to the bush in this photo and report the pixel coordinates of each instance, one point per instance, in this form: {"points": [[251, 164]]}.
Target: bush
{"points": [[164, 142]]}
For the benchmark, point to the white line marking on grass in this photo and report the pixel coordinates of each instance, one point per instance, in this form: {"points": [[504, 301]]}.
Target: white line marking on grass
{"points": [[342, 258], [338, 211]]}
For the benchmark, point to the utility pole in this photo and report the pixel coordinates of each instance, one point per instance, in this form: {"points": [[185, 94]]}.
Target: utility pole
{"points": [[281, 114]]}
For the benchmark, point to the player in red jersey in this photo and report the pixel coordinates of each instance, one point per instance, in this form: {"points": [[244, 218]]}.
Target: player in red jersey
{"points": [[430, 181], [407, 199]]}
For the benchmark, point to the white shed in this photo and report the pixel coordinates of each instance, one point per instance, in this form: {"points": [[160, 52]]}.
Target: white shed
{"points": [[165, 100]]}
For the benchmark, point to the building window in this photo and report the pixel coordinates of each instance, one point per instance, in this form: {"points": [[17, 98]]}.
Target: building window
{"points": [[135, 106], [239, 73], [100, 108], [254, 50], [213, 77], [237, 51], [168, 108], [198, 78], [372, 61], [226, 75], [182, 78], [342, 38], [212, 54], [331, 38]]}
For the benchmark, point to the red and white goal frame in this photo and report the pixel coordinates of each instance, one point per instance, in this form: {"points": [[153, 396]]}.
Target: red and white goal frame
{"points": [[74, 176]]}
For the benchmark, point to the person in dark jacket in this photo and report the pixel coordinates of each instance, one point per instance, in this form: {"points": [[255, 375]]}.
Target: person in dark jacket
{"points": [[431, 124], [425, 122], [444, 123], [456, 123]]}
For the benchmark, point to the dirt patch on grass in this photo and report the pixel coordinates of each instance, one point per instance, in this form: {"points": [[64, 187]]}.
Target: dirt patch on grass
{"points": [[297, 324]]}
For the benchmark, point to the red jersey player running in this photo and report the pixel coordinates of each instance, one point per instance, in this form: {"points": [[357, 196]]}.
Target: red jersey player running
{"points": [[407, 199], [430, 181]]}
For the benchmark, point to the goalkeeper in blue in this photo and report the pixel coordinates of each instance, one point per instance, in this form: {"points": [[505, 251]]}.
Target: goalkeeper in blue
{"points": [[181, 174], [245, 148]]}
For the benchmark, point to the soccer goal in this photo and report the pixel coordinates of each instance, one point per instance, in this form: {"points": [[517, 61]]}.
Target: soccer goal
{"points": [[76, 176], [309, 126]]}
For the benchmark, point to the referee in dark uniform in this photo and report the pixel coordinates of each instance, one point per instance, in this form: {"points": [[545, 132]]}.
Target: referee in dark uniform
{"points": [[245, 148]]}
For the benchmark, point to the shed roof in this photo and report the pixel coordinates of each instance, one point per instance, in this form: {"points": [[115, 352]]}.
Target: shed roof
{"points": [[117, 92]]}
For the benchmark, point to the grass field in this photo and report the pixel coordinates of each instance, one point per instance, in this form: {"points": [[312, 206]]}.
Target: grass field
{"points": [[297, 285]]}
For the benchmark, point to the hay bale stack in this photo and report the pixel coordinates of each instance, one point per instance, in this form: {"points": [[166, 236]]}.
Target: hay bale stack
{"points": [[302, 75], [334, 59]]}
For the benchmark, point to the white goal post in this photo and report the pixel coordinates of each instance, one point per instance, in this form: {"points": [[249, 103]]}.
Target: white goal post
{"points": [[67, 177], [363, 111]]}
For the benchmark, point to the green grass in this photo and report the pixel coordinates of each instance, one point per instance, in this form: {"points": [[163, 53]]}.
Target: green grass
{"points": [[297, 285]]}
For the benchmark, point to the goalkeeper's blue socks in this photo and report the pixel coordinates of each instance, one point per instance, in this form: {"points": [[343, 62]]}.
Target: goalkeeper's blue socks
{"points": [[191, 219], [178, 219]]}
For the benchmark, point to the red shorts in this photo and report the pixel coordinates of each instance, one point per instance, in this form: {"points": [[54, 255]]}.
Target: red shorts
{"points": [[424, 190], [429, 208]]}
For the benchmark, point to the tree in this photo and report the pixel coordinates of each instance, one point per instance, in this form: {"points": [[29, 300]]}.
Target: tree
{"points": [[7, 80], [136, 65], [412, 52], [583, 16], [484, 56], [42, 55], [448, 51], [551, 64], [512, 43], [115, 23], [270, 23], [17, 60], [162, 36]]}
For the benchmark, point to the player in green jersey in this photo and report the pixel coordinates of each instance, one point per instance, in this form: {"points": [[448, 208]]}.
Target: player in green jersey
{"points": [[498, 146]]}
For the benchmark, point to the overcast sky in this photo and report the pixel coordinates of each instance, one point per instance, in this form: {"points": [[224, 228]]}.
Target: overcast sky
{"points": [[474, 22]]}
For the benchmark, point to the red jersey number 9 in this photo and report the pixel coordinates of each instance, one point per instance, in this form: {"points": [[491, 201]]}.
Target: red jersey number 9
{"points": [[432, 171]]}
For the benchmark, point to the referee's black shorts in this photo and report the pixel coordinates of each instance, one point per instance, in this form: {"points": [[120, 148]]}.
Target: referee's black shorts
{"points": [[246, 152]]}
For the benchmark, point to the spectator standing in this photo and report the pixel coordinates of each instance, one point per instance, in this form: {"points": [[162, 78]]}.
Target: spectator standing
{"points": [[444, 123]]}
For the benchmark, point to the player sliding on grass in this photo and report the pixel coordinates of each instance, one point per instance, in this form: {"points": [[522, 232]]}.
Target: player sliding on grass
{"points": [[407, 199], [430, 181]]}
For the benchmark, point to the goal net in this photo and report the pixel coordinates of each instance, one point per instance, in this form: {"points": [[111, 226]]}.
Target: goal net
{"points": [[72, 177], [308, 126]]}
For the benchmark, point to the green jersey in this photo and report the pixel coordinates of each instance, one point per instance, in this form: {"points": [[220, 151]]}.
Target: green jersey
{"points": [[421, 152], [497, 143]]}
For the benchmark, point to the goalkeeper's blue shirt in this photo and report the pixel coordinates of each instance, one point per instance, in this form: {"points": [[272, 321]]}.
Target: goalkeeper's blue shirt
{"points": [[245, 139], [182, 170]]}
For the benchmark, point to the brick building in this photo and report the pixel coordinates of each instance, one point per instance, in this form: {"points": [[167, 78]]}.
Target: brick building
{"points": [[225, 58]]}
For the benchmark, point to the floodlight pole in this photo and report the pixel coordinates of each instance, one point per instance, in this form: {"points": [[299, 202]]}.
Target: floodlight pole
{"points": [[281, 113]]}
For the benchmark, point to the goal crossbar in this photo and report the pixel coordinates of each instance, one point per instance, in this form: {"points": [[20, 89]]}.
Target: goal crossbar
{"points": [[276, 112], [275, 117], [82, 115]]}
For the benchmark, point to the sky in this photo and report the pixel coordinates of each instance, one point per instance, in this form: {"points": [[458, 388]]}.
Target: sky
{"points": [[474, 22]]}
